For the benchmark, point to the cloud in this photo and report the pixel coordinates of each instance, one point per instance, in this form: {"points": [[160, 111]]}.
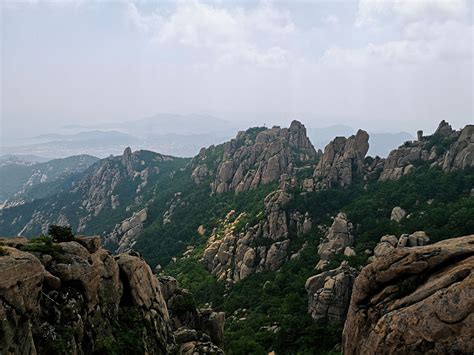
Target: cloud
{"points": [[251, 35], [371, 12], [332, 20]]}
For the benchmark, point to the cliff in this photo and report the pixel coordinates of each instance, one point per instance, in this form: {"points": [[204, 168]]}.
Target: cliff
{"points": [[256, 156]]}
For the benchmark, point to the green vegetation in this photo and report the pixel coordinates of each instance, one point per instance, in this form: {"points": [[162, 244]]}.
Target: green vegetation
{"points": [[437, 202], [44, 245], [160, 242], [3, 251], [60, 234]]}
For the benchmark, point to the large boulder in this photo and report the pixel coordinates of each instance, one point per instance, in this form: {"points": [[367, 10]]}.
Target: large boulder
{"points": [[74, 297], [417, 300], [329, 293], [338, 237]]}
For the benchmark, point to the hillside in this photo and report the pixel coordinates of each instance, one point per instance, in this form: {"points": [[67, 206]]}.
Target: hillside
{"points": [[19, 177], [266, 228]]}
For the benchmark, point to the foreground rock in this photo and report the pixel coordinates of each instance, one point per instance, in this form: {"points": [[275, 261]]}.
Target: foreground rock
{"points": [[75, 298], [417, 300]]}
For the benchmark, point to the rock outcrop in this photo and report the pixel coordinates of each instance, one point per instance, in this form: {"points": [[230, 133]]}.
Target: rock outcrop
{"points": [[195, 330], [342, 161], [65, 298], [397, 214], [337, 239], [329, 293], [390, 242], [416, 300], [76, 298], [123, 236], [447, 149], [256, 156], [233, 254]]}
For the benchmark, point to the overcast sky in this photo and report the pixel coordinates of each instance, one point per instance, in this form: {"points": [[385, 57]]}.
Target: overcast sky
{"points": [[380, 65]]}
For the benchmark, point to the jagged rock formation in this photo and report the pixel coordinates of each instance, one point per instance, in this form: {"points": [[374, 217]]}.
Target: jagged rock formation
{"points": [[329, 293], [390, 242], [195, 330], [123, 236], [447, 149], [397, 214], [254, 157], [416, 300], [342, 161], [173, 204], [116, 184], [337, 239], [22, 182], [74, 297], [232, 255]]}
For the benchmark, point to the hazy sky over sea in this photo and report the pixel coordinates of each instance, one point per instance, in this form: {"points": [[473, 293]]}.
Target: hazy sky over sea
{"points": [[385, 65]]}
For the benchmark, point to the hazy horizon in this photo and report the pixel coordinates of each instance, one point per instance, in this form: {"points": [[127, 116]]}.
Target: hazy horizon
{"points": [[385, 66]]}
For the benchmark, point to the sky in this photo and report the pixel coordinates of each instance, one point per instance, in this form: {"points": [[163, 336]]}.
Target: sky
{"points": [[396, 65]]}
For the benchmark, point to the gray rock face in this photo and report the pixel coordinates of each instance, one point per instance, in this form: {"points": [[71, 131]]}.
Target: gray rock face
{"points": [[342, 161], [338, 237], [447, 149], [232, 255], [398, 214], [255, 158], [124, 234], [329, 293]]}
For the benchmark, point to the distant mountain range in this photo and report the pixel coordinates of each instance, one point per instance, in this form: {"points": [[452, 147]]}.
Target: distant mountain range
{"points": [[172, 134]]}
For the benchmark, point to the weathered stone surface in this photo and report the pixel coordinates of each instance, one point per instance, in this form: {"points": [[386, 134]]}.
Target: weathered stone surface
{"points": [[398, 214], [21, 276], [123, 236], [255, 157], [417, 300], [342, 161], [14, 242], [232, 256], [447, 149], [195, 330], [92, 244], [329, 293], [388, 243], [338, 237], [83, 290]]}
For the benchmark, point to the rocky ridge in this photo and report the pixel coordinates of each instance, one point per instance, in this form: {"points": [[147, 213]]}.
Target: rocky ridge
{"points": [[446, 148], [115, 185], [254, 157]]}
